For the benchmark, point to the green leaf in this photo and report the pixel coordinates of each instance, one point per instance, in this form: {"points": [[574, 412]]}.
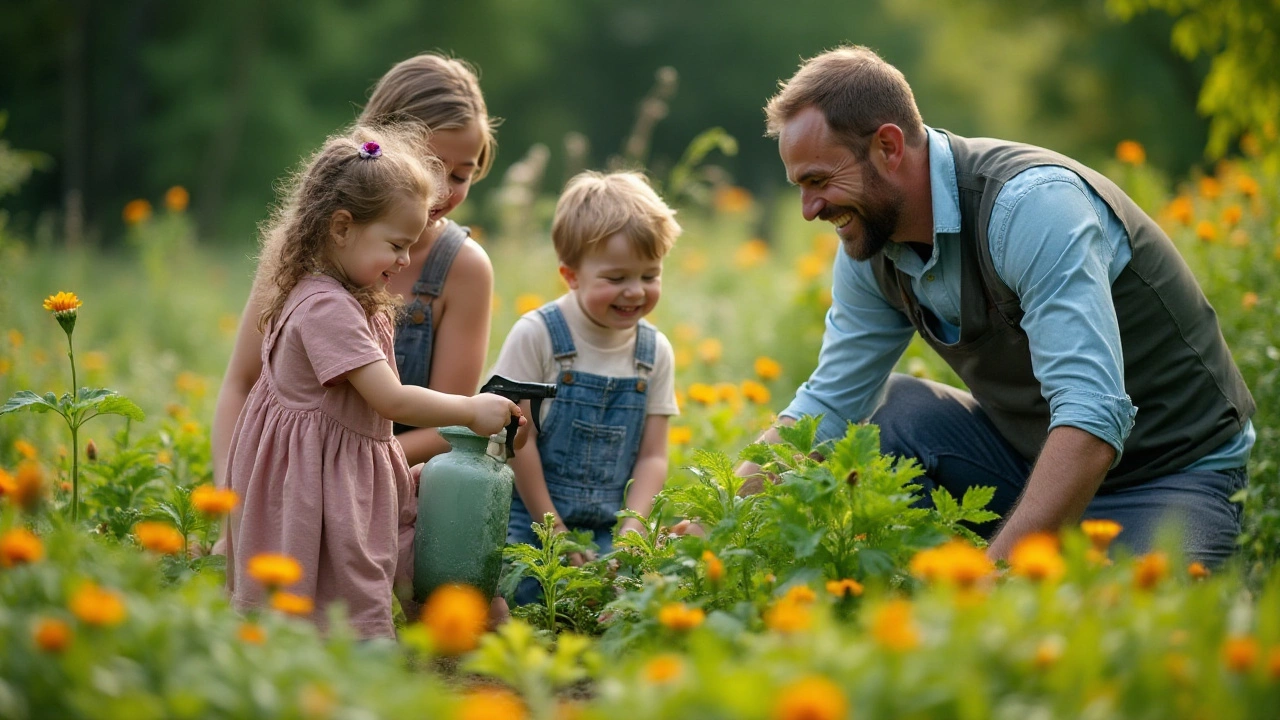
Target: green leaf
{"points": [[802, 434], [27, 400], [119, 405]]}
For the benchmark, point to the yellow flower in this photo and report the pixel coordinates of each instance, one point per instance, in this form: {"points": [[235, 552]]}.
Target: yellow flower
{"points": [[97, 606], [1210, 188], [490, 704], [788, 615], [1048, 652], [1036, 556], [800, 594], [755, 392], [679, 435], [8, 485], [1247, 186], [528, 302], [160, 538], [811, 698], [844, 587], [251, 633], [1249, 300], [292, 604], [189, 383], [136, 211], [1240, 653], [274, 570], [1150, 569], [20, 546], [1231, 215], [663, 669], [710, 350], [1197, 571], [1131, 152], [177, 198], [893, 627], [751, 253], [455, 616], [62, 302], [727, 392], [810, 266], [732, 199], [703, 393], [684, 358], [212, 501], [27, 486], [1182, 210], [1100, 532], [15, 338], [51, 635], [94, 361], [164, 457], [5, 366], [767, 368], [712, 566], [954, 563], [25, 449], [1206, 231], [681, 617]]}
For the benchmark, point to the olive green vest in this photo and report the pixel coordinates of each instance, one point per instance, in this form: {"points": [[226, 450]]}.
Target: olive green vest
{"points": [[1177, 368]]}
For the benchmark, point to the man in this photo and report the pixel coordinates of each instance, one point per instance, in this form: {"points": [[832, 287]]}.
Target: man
{"points": [[1100, 384]]}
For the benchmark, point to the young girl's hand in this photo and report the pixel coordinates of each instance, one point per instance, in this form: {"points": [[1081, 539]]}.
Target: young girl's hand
{"points": [[492, 413]]}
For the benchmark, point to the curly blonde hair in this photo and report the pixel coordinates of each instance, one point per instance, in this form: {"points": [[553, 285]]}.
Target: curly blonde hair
{"points": [[296, 239]]}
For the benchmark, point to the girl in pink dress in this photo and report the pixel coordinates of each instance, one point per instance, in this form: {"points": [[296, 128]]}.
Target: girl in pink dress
{"points": [[319, 474]]}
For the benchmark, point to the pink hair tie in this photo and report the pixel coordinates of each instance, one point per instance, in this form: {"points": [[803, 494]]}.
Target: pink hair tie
{"points": [[370, 150]]}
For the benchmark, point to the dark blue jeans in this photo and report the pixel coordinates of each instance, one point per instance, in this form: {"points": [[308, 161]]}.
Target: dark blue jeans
{"points": [[958, 447]]}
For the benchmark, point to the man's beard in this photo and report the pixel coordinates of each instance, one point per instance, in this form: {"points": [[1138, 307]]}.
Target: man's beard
{"points": [[883, 210]]}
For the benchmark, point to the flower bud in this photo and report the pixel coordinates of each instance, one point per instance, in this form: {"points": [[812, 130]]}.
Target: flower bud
{"points": [[91, 451]]}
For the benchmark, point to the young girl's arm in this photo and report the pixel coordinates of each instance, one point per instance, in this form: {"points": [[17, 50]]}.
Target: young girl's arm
{"points": [[484, 414], [461, 342], [242, 372], [650, 471]]}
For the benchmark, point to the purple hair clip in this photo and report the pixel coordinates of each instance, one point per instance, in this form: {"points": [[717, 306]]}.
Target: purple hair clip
{"points": [[370, 150]]}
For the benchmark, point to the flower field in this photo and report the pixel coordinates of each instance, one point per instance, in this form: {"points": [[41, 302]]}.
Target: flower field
{"points": [[826, 596]]}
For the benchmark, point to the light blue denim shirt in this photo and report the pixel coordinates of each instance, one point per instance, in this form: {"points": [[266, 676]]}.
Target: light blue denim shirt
{"points": [[1071, 247]]}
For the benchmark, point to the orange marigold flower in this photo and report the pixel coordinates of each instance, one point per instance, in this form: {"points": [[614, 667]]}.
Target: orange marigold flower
{"points": [[842, 588], [455, 616], [728, 392], [189, 383], [679, 435], [703, 393], [1182, 210], [1100, 532], [767, 368], [491, 704], [1036, 556], [212, 501], [755, 392], [1232, 215], [8, 485], [1048, 652], [62, 302], [788, 615], [292, 604], [663, 669], [1197, 571], [1210, 188], [955, 562], [1240, 653], [528, 302], [679, 616], [28, 486], [97, 606], [732, 199], [800, 594], [811, 698], [136, 212], [1247, 186], [712, 566], [274, 570], [1249, 300], [893, 627], [1131, 152], [1207, 231], [20, 546], [710, 351], [251, 633], [177, 198], [51, 635], [751, 253], [25, 449], [1150, 569], [810, 266], [159, 537]]}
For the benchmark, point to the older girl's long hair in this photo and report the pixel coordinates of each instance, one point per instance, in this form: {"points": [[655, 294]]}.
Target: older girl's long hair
{"points": [[296, 239]]}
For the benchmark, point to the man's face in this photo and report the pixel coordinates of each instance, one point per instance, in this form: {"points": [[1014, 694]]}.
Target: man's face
{"points": [[837, 187]]}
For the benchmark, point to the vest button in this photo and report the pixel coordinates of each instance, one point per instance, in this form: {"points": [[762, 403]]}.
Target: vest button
{"points": [[567, 378], [929, 277], [418, 317], [641, 385]]}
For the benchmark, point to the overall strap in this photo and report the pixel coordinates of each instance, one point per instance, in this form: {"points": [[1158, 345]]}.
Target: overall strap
{"points": [[646, 348], [440, 259], [562, 346]]}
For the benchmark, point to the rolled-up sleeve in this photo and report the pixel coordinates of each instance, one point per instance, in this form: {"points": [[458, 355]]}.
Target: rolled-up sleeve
{"points": [[1050, 244], [863, 339]]}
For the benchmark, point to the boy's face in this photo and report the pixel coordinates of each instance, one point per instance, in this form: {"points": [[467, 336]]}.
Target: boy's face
{"points": [[615, 285]]}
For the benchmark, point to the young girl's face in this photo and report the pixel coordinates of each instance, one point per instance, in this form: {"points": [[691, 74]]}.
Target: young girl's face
{"points": [[615, 284], [459, 150], [369, 254]]}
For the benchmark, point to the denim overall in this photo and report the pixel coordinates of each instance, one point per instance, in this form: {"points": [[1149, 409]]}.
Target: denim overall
{"points": [[589, 441], [416, 333]]}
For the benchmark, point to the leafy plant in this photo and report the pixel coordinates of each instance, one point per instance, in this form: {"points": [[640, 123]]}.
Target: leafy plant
{"points": [[565, 587]]}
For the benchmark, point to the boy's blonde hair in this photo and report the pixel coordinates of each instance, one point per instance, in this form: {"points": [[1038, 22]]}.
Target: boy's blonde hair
{"points": [[595, 206], [296, 239], [857, 92], [440, 92]]}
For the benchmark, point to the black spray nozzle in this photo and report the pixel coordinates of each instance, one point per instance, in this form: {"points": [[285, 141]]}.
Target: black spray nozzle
{"points": [[515, 391]]}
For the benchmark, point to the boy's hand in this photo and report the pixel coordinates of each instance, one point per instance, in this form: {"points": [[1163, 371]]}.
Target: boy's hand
{"points": [[631, 525], [492, 413], [575, 559]]}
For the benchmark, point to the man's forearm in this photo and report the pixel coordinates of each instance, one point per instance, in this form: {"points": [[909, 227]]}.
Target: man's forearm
{"points": [[1065, 478]]}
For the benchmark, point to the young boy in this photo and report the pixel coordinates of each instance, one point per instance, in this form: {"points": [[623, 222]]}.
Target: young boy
{"points": [[614, 372]]}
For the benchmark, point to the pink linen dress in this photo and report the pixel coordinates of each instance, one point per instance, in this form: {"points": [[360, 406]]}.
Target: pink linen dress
{"points": [[319, 474]]}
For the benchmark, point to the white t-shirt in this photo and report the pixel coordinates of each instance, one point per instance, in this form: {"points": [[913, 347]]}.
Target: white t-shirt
{"points": [[526, 355]]}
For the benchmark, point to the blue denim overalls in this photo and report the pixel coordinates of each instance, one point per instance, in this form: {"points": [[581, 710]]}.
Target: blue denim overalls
{"points": [[590, 439], [416, 332]]}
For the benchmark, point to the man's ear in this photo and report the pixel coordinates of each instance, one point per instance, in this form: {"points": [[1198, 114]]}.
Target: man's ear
{"points": [[569, 275], [340, 227], [889, 146]]}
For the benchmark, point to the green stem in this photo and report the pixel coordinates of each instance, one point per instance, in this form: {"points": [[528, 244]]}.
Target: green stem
{"points": [[71, 354], [75, 437]]}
